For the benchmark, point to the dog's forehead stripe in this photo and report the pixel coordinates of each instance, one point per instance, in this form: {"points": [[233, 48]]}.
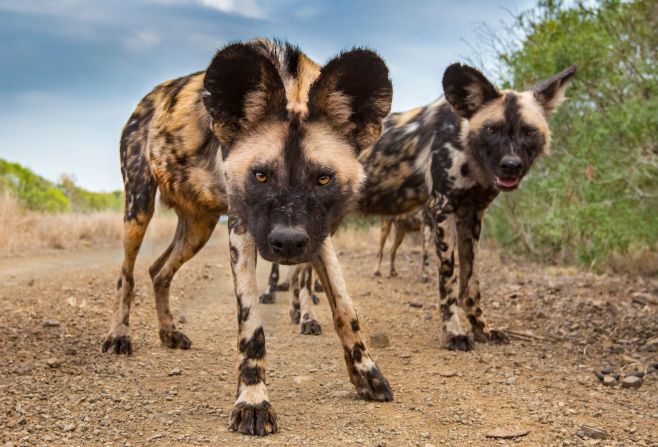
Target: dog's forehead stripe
{"points": [[511, 109]]}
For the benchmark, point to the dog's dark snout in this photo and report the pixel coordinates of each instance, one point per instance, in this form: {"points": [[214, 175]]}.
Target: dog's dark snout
{"points": [[510, 166], [288, 242]]}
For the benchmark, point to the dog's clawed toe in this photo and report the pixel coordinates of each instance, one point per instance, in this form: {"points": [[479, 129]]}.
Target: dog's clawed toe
{"points": [[250, 419], [175, 339], [311, 327], [459, 342], [118, 345], [372, 385]]}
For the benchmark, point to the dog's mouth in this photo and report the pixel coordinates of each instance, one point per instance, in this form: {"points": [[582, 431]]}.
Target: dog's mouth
{"points": [[507, 183]]}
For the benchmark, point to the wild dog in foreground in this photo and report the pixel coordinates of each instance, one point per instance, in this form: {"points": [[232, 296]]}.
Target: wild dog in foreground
{"points": [[270, 137], [413, 221], [456, 155]]}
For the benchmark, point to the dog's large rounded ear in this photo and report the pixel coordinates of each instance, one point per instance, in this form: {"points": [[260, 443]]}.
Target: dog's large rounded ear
{"points": [[242, 88], [354, 93], [467, 90], [549, 93]]}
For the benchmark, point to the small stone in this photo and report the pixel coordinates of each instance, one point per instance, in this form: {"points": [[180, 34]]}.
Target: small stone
{"points": [[70, 351], [415, 304], [639, 374], [447, 373], [68, 428], [632, 382], [609, 381], [175, 372], [51, 323], [53, 362], [652, 343], [597, 414], [379, 340], [182, 319], [507, 433], [593, 432]]}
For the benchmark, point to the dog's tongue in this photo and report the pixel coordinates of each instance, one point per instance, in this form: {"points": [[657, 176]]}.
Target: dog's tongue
{"points": [[507, 182]]}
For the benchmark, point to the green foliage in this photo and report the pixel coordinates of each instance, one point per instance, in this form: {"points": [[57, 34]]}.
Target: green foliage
{"points": [[86, 201], [34, 192], [597, 194], [38, 194]]}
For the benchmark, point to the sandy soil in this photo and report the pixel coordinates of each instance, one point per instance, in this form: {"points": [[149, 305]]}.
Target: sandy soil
{"points": [[56, 388]]}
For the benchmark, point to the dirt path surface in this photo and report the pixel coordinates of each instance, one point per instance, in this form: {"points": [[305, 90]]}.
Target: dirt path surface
{"points": [[56, 388]]}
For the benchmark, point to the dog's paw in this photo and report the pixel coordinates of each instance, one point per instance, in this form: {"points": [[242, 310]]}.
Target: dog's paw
{"points": [[459, 342], [121, 344], [376, 273], [175, 339], [253, 419], [311, 327], [393, 273], [267, 298], [372, 385]]}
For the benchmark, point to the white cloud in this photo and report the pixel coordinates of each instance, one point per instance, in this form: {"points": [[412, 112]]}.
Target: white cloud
{"points": [[246, 8], [141, 41]]}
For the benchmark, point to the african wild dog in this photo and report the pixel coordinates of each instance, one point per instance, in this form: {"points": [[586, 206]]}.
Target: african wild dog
{"points": [[456, 155], [413, 221], [272, 138]]}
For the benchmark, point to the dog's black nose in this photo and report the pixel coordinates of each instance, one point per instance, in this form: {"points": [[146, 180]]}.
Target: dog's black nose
{"points": [[510, 166], [288, 242]]}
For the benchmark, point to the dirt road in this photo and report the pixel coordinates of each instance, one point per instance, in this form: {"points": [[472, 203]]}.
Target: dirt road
{"points": [[56, 388]]}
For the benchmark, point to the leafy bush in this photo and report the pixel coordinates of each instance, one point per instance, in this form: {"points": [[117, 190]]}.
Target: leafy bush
{"points": [[34, 192]]}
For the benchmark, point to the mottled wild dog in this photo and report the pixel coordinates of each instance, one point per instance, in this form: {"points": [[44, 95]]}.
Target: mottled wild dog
{"points": [[272, 138], [401, 224], [456, 155]]}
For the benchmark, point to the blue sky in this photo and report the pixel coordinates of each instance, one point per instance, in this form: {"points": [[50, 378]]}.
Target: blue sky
{"points": [[71, 71]]}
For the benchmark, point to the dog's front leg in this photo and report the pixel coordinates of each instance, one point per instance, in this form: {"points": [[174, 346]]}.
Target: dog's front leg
{"points": [[369, 382], [468, 235], [445, 238], [252, 413]]}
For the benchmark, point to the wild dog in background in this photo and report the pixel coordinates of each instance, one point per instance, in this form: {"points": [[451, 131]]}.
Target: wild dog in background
{"points": [[456, 155], [270, 137], [418, 220]]}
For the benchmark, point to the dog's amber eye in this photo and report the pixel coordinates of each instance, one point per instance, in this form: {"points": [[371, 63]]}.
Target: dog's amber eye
{"points": [[260, 177], [529, 132], [324, 180]]}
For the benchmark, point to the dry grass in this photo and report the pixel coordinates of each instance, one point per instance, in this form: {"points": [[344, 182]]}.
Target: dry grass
{"points": [[27, 232]]}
